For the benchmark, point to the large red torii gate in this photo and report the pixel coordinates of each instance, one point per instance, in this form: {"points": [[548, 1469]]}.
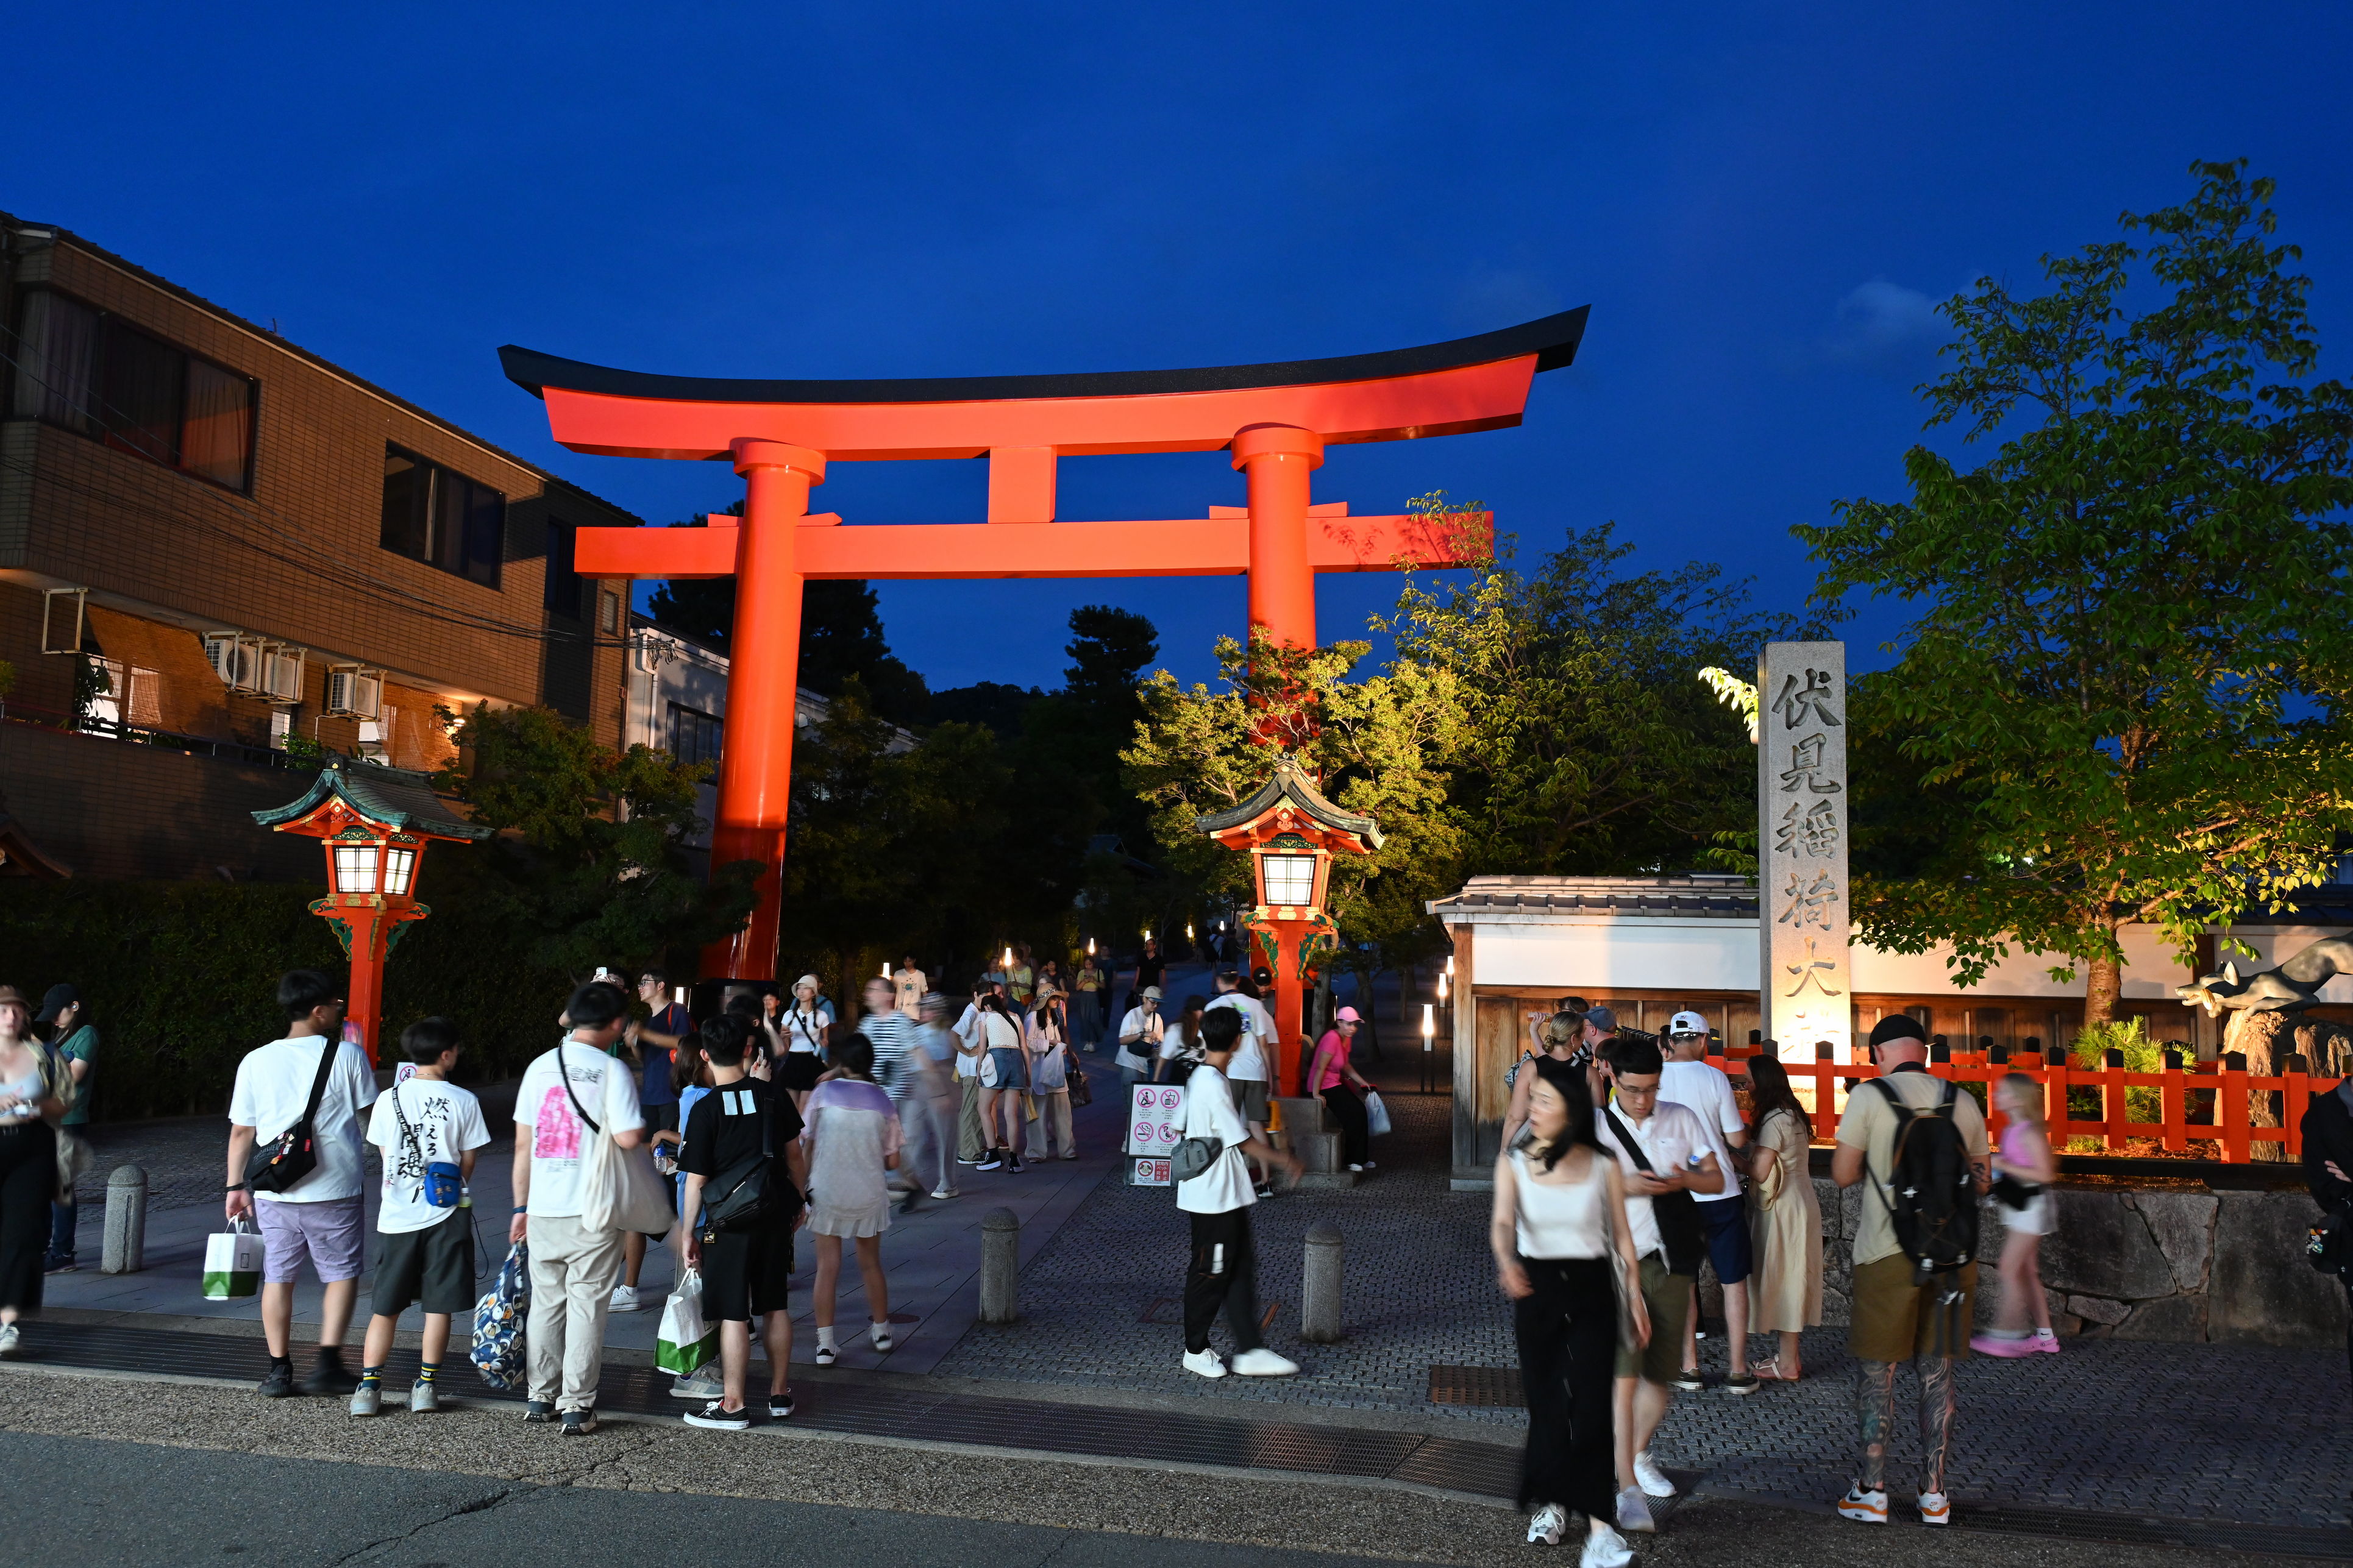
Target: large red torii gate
{"points": [[1276, 419]]}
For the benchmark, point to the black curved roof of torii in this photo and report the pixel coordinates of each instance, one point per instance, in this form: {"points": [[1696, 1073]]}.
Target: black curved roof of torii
{"points": [[1553, 340]]}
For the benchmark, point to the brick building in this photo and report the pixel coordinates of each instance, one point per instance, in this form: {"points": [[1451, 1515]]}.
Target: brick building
{"points": [[213, 544]]}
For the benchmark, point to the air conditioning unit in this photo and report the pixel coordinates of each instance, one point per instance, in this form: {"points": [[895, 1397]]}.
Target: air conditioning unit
{"points": [[239, 660], [354, 692], [282, 675]]}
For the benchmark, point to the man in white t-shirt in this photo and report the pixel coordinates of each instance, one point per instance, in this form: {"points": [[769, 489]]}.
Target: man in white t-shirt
{"points": [[425, 1216], [1688, 1080], [1224, 1272], [572, 1268], [317, 1219], [1251, 1054], [1663, 1152], [1140, 1035], [971, 1045]]}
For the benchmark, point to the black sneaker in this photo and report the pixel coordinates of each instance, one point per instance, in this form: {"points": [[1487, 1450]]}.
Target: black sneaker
{"points": [[278, 1383], [717, 1415], [65, 1265], [780, 1405], [1690, 1380], [538, 1412], [1013, 1163], [579, 1423], [330, 1376], [991, 1161]]}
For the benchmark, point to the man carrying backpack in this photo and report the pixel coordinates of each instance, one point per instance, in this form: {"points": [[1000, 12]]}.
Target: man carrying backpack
{"points": [[1918, 1145]]}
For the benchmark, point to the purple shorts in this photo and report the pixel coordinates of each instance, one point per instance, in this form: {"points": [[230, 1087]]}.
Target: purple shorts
{"points": [[328, 1235]]}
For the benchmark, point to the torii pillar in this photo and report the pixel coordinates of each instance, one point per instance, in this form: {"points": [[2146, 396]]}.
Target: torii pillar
{"points": [[1276, 420]]}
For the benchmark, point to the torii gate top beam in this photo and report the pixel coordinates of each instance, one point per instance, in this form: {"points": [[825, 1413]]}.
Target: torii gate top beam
{"points": [[1442, 389]]}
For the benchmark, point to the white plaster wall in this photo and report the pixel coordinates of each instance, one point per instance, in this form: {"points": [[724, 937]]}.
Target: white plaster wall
{"points": [[1635, 952]]}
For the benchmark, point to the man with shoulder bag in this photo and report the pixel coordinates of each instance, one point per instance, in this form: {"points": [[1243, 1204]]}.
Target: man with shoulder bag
{"points": [[1665, 1155], [294, 1166], [1213, 1186], [747, 1171], [569, 1097]]}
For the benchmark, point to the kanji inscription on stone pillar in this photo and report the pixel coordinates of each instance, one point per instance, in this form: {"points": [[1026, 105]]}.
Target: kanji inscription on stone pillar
{"points": [[1803, 903]]}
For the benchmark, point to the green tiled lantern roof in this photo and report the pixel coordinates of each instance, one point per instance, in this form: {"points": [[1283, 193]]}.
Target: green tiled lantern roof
{"points": [[1292, 785], [393, 796]]}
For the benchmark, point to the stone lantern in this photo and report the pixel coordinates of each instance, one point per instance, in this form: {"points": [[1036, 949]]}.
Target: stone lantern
{"points": [[375, 824], [1291, 833]]}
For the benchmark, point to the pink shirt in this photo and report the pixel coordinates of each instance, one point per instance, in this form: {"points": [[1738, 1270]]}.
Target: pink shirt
{"points": [[1337, 1045]]}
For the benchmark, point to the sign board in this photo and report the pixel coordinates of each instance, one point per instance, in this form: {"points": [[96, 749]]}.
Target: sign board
{"points": [[1155, 1125], [1804, 908]]}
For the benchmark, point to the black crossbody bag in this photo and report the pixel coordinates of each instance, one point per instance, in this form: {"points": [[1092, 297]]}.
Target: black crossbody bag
{"points": [[1681, 1233], [746, 1200], [293, 1154]]}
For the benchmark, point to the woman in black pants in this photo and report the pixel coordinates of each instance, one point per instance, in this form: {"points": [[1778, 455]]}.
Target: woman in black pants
{"points": [[1561, 1242], [31, 1099], [1331, 1077]]}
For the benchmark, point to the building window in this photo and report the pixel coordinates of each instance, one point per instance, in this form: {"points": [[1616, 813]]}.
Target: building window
{"points": [[440, 516], [563, 582], [609, 613], [693, 735], [91, 371]]}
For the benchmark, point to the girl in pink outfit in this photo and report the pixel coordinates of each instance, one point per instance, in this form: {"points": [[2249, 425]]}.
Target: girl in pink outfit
{"points": [[2025, 1167]]}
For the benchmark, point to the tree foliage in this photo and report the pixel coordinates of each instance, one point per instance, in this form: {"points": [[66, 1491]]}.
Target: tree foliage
{"points": [[589, 855], [2124, 675]]}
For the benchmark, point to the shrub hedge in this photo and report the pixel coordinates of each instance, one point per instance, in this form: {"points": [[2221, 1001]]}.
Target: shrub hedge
{"points": [[180, 979]]}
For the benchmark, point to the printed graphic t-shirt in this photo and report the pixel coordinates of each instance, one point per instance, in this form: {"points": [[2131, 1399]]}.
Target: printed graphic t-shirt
{"points": [[606, 1087], [444, 1121]]}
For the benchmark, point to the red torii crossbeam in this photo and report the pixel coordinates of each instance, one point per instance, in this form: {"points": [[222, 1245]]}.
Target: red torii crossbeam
{"points": [[1276, 419]]}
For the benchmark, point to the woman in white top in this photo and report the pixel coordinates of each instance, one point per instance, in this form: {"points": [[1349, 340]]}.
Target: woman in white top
{"points": [[805, 1025], [1004, 1076], [1050, 1077], [1562, 1245]]}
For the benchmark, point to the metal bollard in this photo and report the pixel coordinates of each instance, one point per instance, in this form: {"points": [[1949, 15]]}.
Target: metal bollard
{"points": [[126, 1222], [1000, 1263], [1319, 1295]]}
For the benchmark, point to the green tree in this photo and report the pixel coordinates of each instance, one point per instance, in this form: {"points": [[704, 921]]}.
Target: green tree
{"points": [[2127, 653], [590, 854]]}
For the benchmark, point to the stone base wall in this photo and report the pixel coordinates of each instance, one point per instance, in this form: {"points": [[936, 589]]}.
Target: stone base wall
{"points": [[2180, 1262]]}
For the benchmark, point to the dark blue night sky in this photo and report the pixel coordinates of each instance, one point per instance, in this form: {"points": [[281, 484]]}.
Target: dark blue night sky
{"points": [[1759, 203]]}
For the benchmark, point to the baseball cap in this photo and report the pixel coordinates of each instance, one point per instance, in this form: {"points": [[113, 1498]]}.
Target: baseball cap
{"points": [[1347, 1016], [60, 997], [1152, 991], [1602, 1018], [1686, 1022], [1896, 1027]]}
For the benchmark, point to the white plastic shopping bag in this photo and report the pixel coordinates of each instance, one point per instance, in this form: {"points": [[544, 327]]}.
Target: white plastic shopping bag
{"points": [[1377, 1115], [686, 1342], [233, 1262]]}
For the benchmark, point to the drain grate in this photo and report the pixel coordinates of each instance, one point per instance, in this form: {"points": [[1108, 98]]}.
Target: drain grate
{"points": [[2068, 1524], [1498, 1386]]}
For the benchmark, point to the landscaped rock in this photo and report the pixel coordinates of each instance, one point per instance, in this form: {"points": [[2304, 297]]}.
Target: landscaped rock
{"points": [[2100, 1248], [2175, 1318], [2098, 1309], [2183, 1226], [2262, 1290]]}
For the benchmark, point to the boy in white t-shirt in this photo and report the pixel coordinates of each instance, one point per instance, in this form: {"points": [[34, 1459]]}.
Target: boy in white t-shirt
{"points": [[1687, 1080], [572, 1268], [426, 1220], [1252, 1053], [1224, 1272]]}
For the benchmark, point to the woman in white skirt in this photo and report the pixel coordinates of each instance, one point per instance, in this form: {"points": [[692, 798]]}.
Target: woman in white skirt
{"points": [[2025, 1167], [854, 1141]]}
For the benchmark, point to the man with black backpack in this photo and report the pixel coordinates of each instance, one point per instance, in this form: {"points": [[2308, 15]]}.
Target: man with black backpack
{"points": [[745, 1171], [294, 1165], [1918, 1145]]}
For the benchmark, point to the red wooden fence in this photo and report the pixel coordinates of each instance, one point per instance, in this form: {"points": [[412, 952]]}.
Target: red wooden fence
{"points": [[2208, 1102]]}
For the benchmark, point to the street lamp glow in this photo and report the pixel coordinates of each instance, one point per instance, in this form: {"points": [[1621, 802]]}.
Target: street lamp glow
{"points": [[1449, 965], [886, 969], [1429, 1026], [1441, 988], [1091, 947]]}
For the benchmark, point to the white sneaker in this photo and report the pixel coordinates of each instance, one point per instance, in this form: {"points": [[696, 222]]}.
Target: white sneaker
{"points": [[942, 1195], [1205, 1362], [1936, 1508], [423, 1398], [1654, 1479], [11, 1341], [1545, 1528], [1634, 1513], [1605, 1548], [625, 1299], [1264, 1363], [879, 1335], [702, 1382], [1863, 1506]]}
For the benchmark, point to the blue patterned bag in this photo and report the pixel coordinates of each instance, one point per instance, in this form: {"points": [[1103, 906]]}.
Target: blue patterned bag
{"points": [[500, 1353]]}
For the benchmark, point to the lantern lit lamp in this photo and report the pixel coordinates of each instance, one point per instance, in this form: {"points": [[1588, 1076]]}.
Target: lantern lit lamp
{"points": [[1091, 947], [1428, 1027]]}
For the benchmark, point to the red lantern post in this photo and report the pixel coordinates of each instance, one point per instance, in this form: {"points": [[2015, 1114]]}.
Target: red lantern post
{"points": [[374, 824], [1292, 833]]}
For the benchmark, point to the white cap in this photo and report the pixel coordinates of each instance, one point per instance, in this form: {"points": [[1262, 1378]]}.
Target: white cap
{"points": [[1686, 1022]]}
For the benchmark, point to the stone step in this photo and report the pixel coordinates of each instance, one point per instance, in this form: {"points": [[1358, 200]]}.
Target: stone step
{"points": [[1304, 1114]]}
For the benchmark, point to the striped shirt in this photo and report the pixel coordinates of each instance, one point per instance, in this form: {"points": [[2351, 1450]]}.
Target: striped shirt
{"points": [[893, 1036]]}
